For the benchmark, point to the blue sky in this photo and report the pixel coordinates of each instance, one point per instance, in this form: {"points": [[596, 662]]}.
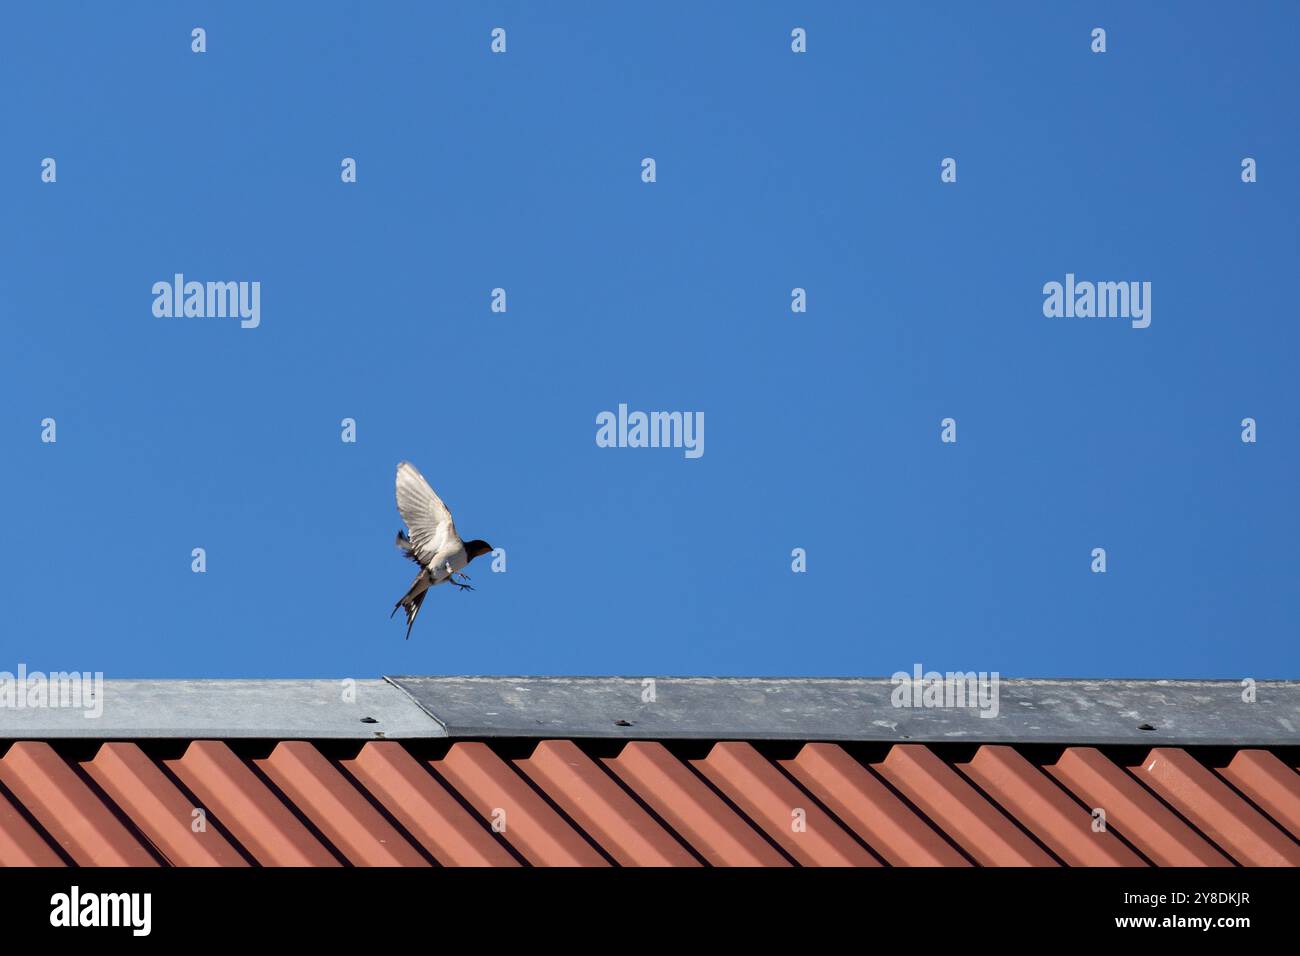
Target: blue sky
{"points": [[774, 171]]}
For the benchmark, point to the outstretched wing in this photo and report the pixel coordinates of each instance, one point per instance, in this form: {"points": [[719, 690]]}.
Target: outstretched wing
{"points": [[428, 521]]}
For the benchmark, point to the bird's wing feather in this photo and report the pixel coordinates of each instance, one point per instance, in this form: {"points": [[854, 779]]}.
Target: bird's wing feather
{"points": [[432, 532]]}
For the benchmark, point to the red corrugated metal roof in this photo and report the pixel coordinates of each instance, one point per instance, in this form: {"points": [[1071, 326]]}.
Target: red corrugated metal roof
{"points": [[641, 803]]}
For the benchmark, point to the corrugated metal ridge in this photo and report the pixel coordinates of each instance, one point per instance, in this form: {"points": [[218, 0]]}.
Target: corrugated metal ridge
{"points": [[218, 709], [1147, 712], [683, 803], [1095, 712]]}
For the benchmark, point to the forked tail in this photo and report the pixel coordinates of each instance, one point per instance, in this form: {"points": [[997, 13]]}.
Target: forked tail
{"points": [[411, 602]]}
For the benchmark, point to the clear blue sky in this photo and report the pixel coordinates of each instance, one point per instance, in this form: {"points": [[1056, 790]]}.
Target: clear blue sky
{"points": [[775, 170]]}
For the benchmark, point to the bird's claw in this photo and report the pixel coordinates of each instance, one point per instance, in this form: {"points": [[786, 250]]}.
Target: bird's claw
{"points": [[463, 587]]}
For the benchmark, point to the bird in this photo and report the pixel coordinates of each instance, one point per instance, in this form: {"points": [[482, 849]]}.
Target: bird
{"points": [[432, 542]]}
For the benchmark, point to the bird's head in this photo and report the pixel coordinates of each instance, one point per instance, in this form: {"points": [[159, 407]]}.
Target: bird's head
{"points": [[476, 547]]}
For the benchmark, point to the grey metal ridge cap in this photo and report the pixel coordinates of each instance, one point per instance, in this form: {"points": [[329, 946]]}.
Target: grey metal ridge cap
{"points": [[1023, 711], [1019, 711], [212, 709]]}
